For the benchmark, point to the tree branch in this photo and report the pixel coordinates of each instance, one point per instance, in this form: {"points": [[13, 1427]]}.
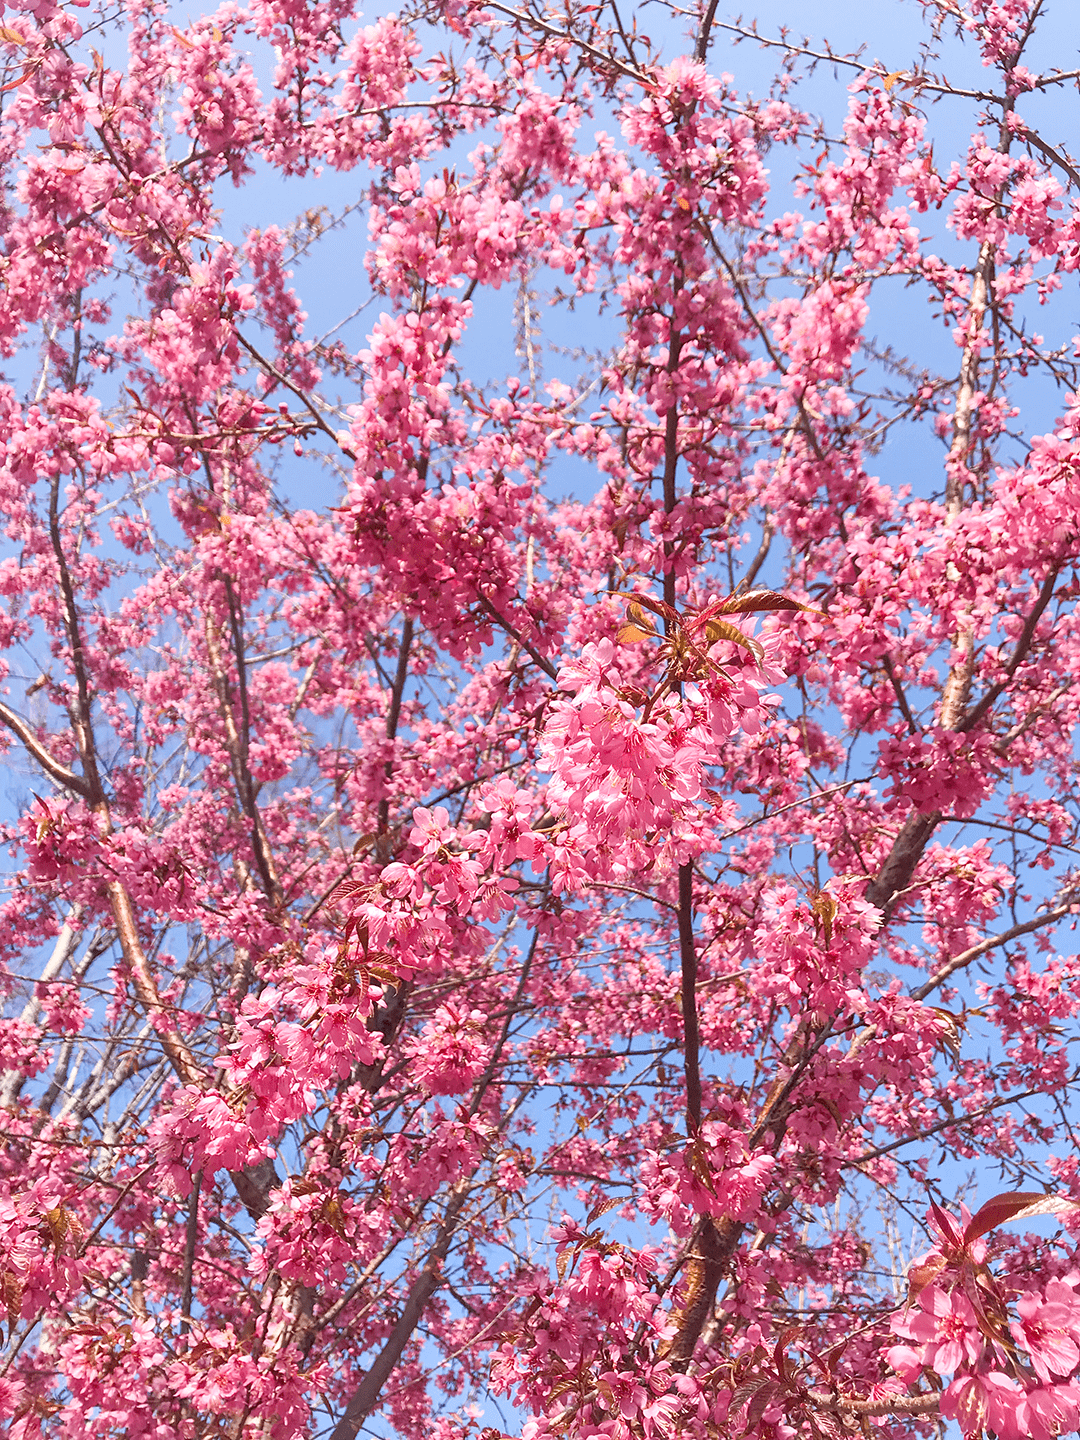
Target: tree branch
{"points": [[1023, 645], [366, 1395], [691, 1032], [899, 865], [895, 1405], [52, 767], [1054, 156], [191, 1234], [237, 739], [545, 665], [393, 715], [991, 943]]}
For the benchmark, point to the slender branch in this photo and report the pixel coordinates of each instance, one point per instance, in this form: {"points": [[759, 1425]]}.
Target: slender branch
{"points": [[237, 740], [272, 370], [366, 1395], [908, 848], [52, 767], [992, 942], [1054, 156], [768, 531], [545, 665], [671, 462], [511, 1012], [956, 1121], [974, 952], [793, 805], [254, 1183], [630, 890], [393, 715], [236, 626], [591, 51], [13, 1079], [879, 72], [191, 1233], [805, 424], [691, 1031], [82, 725], [901, 698], [1023, 645], [954, 695]]}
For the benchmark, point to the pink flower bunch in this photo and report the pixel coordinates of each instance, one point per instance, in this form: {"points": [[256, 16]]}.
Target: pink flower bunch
{"points": [[202, 1130], [715, 1174], [64, 1007], [59, 839], [450, 1051], [310, 1230], [40, 1235], [959, 1323], [618, 771], [939, 770]]}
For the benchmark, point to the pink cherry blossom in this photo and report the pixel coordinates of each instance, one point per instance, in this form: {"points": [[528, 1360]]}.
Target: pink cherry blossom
{"points": [[946, 1325], [538, 640]]}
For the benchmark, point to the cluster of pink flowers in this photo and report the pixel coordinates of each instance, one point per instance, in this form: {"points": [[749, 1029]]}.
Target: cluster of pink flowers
{"points": [[959, 1327], [620, 769], [450, 1052], [393, 873]]}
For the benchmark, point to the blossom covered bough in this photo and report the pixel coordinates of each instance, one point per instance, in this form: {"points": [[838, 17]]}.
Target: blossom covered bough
{"points": [[481, 958]]}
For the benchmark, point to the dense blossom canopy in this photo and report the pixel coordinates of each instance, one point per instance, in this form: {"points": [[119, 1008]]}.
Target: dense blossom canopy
{"points": [[537, 905]]}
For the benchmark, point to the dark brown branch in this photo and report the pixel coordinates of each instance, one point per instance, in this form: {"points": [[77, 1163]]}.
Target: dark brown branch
{"points": [[393, 716], [236, 626], [272, 370], [691, 1033], [1054, 156], [253, 1185], [901, 698], [768, 531], [553, 30], [545, 665], [907, 850], [512, 1011], [237, 739], [908, 847], [83, 731], [701, 49], [671, 461], [1064, 907]]}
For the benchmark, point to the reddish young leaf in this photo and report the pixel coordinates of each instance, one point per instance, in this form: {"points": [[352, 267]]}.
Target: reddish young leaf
{"points": [[1016, 1205], [758, 600]]}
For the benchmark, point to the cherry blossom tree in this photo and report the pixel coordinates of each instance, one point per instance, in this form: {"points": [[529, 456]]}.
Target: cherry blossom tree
{"points": [[538, 905]]}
